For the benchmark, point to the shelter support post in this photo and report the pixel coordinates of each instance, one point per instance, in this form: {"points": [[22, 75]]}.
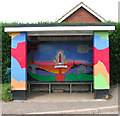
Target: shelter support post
{"points": [[101, 64], [18, 65]]}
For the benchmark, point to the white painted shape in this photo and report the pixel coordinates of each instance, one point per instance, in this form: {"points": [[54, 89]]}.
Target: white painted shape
{"points": [[61, 66], [59, 28]]}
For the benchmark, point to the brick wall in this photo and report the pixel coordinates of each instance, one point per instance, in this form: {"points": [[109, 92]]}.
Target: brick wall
{"points": [[81, 15]]}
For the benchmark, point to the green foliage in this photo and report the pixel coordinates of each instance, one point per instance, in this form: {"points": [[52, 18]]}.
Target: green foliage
{"points": [[6, 54], [115, 56], [6, 92]]}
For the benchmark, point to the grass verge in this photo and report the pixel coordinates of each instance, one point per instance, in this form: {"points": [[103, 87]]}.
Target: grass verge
{"points": [[6, 92]]}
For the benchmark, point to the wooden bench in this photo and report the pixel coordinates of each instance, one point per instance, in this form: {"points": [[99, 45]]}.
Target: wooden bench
{"points": [[60, 82]]}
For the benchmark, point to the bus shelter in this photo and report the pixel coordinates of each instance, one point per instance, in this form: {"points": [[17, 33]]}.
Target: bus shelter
{"points": [[66, 52]]}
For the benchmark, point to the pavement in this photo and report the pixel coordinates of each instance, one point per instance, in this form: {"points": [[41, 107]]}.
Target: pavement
{"points": [[63, 103]]}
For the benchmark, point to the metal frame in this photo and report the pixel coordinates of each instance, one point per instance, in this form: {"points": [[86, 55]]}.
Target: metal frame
{"points": [[51, 83]]}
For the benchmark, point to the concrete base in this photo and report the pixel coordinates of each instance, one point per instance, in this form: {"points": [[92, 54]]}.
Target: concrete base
{"points": [[100, 93], [19, 94]]}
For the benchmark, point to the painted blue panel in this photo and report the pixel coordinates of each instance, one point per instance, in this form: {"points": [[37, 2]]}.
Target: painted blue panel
{"points": [[100, 43], [17, 72], [18, 39]]}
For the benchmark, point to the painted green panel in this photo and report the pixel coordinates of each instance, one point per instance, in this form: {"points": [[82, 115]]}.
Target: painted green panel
{"points": [[80, 77], [41, 77], [71, 77], [103, 34], [100, 82]]}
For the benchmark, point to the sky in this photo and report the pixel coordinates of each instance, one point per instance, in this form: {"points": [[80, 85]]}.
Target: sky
{"points": [[34, 11]]}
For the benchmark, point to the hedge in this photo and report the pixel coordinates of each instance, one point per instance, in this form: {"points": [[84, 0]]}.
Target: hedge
{"points": [[114, 54], [6, 54]]}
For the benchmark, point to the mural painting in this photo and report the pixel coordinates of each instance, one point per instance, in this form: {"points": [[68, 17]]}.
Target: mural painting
{"points": [[61, 61], [18, 61], [101, 60]]}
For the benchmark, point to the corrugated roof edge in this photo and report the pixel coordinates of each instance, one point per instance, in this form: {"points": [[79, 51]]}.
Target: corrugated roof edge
{"points": [[62, 24]]}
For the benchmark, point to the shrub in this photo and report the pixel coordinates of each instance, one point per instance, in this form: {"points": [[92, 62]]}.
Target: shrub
{"points": [[6, 92], [6, 54], [115, 56]]}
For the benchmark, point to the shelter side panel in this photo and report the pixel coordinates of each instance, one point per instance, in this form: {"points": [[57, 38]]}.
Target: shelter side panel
{"points": [[18, 61], [101, 60]]}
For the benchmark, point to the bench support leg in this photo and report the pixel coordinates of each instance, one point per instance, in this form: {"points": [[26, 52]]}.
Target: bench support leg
{"points": [[91, 88], [70, 88], [49, 88], [29, 89]]}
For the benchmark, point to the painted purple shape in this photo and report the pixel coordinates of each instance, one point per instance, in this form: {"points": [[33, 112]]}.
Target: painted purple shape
{"points": [[89, 69], [42, 72], [74, 70], [29, 70]]}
